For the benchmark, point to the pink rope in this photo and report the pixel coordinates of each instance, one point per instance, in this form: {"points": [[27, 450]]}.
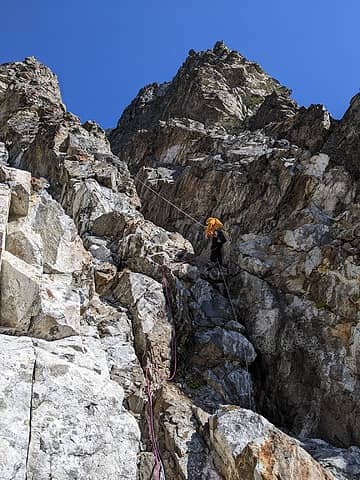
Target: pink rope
{"points": [[156, 453], [173, 336], [158, 468]]}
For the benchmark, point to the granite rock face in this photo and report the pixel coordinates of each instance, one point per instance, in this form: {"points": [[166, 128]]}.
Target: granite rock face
{"points": [[82, 266], [62, 416], [46, 276], [283, 179], [246, 445], [124, 354]]}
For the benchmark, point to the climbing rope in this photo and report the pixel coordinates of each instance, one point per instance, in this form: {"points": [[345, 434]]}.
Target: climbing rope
{"points": [[158, 467], [173, 334], [227, 291], [235, 319], [159, 470], [168, 201]]}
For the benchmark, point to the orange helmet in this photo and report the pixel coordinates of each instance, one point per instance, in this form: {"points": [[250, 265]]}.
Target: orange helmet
{"points": [[212, 224]]}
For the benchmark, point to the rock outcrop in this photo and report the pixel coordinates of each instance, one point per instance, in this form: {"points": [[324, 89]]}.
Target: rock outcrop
{"points": [[245, 445], [344, 143], [284, 181], [124, 354]]}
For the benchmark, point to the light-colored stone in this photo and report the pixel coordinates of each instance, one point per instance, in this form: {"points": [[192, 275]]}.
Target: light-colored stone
{"points": [[23, 242], [79, 426], [183, 448], [47, 237], [98, 209], [30, 302], [305, 237], [317, 165], [146, 247], [145, 300], [20, 184], [116, 335], [20, 288], [17, 361], [62, 416], [63, 251], [4, 215], [47, 240], [247, 446], [3, 154]]}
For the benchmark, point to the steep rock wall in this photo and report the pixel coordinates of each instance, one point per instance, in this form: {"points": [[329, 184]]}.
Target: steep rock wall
{"points": [[284, 183], [93, 296]]}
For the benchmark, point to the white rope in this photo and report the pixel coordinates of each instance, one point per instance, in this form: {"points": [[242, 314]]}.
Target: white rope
{"points": [[168, 201]]}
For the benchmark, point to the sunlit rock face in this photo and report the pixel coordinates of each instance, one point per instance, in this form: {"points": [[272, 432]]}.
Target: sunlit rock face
{"points": [[283, 179], [114, 328]]}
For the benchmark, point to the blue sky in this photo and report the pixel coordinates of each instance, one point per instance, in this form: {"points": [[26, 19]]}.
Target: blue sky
{"points": [[104, 51]]}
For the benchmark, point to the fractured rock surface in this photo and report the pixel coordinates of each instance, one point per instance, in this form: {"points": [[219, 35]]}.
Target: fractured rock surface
{"points": [[106, 291], [283, 179], [247, 446]]}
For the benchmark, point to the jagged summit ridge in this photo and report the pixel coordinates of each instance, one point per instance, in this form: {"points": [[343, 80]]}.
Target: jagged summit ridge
{"points": [[217, 86], [223, 92]]}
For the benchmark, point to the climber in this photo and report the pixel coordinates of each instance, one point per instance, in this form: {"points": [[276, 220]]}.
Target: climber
{"points": [[214, 231]]}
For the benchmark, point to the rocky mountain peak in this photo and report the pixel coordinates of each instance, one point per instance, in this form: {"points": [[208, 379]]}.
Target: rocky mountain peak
{"points": [[32, 61], [31, 74], [344, 143], [214, 87], [125, 352], [220, 48]]}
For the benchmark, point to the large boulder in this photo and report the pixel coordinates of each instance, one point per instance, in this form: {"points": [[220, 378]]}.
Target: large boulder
{"points": [[62, 416], [144, 297], [63, 251], [43, 306], [183, 449], [247, 446], [145, 247], [20, 183], [98, 209], [47, 237]]}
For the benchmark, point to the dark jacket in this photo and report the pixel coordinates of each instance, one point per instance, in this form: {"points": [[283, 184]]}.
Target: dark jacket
{"points": [[217, 242]]}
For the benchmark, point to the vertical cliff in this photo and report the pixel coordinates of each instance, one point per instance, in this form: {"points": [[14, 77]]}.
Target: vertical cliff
{"points": [[124, 353]]}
